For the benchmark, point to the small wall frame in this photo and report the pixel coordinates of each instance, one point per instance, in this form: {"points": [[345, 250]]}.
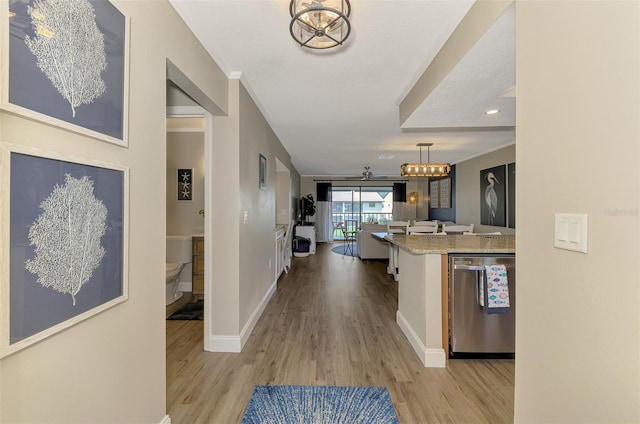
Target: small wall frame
{"points": [[90, 96], [64, 235], [185, 184], [262, 172]]}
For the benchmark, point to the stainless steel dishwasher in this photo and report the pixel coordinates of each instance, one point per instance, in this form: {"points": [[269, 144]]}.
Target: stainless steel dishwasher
{"points": [[471, 329]]}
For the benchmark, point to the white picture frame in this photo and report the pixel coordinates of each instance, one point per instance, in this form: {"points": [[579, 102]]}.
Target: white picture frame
{"points": [[434, 195], [29, 91], [38, 298], [445, 193]]}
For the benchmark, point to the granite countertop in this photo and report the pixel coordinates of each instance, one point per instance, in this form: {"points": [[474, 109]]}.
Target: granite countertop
{"points": [[420, 245]]}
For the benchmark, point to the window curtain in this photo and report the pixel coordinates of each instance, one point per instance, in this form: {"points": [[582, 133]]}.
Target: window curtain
{"points": [[324, 220], [400, 202]]}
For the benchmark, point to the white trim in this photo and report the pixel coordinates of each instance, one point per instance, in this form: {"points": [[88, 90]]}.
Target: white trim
{"points": [[257, 313], [185, 111], [235, 344], [431, 358], [185, 130], [166, 420], [224, 344], [209, 225]]}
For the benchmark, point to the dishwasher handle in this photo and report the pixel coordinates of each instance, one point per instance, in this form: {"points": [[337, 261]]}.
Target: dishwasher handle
{"points": [[469, 267]]}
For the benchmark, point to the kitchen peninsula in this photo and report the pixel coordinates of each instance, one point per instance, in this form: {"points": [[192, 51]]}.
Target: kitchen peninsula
{"points": [[423, 295]]}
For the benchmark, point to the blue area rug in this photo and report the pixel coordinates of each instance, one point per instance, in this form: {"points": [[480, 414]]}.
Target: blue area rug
{"points": [[340, 250], [319, 405]]}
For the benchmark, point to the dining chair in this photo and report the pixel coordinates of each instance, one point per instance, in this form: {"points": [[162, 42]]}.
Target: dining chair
{"points": [[395, 227], [417, 222], [457, 228], [422, 229], [349, 231]]}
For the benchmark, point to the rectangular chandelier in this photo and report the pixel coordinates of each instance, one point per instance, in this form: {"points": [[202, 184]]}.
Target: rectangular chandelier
{"points": [[425, 169]]}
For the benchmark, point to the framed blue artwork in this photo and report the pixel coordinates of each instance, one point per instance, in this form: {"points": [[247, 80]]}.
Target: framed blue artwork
{"points": [[64, 244], [65, 63]]}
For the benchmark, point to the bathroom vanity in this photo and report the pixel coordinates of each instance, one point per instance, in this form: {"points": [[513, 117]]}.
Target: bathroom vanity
{"points": [[197, 269]]}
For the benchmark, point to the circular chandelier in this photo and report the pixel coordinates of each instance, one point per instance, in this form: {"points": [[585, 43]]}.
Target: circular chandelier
{"points": [[320, 24]]}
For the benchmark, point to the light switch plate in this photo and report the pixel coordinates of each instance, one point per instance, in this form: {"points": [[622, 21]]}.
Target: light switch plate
{"points": [[571, 232], [246, 217]]}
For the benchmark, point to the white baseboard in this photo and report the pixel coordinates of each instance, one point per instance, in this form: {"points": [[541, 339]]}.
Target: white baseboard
{"points": [[431, 358], [166, 420], [230, 344], [234, 343]]}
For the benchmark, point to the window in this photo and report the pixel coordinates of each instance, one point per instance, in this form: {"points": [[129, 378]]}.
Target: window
{"points": [[364, 203]]}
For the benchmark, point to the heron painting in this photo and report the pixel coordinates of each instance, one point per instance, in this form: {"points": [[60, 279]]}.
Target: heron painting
{"points": [[492, 196]]}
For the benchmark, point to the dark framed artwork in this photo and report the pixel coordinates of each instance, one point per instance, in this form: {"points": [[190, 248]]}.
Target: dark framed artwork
{"points": [[262, 172], [185, 184], [492, 197], [511, 195], [434, 194], [64, 252], [49, 76]]}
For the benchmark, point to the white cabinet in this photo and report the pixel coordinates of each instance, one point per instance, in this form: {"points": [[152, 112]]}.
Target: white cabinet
{"points": [[308, 232]]}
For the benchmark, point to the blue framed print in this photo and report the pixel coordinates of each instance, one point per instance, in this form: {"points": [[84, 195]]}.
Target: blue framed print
{"points": [[65, 63], [65, 238]]}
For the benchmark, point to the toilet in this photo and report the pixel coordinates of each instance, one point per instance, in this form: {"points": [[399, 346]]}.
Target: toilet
{"points": [[178, 255]]}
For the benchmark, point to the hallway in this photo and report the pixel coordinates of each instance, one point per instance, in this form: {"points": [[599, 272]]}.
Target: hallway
{"points": [[331, 322]]}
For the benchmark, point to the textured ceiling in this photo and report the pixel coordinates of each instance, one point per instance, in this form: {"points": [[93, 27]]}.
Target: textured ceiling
{"points": [[336, 111]]}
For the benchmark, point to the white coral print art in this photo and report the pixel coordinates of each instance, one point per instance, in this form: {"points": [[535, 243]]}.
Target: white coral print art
{"points": [[67, 236], [69, 48]]}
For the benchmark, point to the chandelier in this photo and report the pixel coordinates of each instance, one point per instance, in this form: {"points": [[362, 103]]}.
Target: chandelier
{"points": [[320, 24], [425, 169]]}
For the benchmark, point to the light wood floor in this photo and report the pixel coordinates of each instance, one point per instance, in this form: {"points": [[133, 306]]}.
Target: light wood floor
{"points": [[331, 322]]}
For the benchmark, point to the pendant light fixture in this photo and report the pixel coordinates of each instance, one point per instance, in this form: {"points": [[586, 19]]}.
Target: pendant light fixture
{"points": [[320, 24], [425, 169]]}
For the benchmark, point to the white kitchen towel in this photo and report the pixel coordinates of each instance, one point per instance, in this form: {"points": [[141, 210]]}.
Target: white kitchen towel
{"points": [[496, 289]]}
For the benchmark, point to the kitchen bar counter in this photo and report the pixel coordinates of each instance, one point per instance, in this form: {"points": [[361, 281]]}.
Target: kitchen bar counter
{"points": [[423, 279], [445, 244]]}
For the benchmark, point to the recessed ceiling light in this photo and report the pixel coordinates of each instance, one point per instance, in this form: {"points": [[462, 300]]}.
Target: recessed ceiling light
{"points": [[492, 112], [386, 156]]}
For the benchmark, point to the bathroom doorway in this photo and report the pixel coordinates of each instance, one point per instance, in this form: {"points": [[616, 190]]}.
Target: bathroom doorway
{"points": [[189, 118], [185, 173]]}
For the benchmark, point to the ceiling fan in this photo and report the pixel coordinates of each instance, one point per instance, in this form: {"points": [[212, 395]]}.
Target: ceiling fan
{"points": [[368, 175]]}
